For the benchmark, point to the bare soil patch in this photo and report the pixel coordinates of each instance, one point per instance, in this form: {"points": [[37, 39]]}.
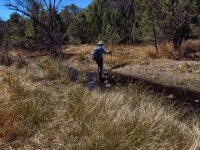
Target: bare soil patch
{"points": [[168, 72]]}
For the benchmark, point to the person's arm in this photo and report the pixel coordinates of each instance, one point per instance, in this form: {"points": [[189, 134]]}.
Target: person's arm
{"points": [[105, 52]]}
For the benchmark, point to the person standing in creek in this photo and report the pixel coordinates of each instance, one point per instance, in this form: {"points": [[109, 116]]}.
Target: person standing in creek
{"points": [[97, 56]]}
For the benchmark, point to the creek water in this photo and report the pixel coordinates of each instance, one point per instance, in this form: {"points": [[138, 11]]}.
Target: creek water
{"points": [[91, 82]]}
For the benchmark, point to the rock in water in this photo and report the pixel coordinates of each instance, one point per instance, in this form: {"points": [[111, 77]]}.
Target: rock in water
{"points": [[108, 85], [171, 96]]}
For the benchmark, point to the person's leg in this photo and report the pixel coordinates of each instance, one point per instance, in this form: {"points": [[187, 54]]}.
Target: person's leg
{"points": [[98, 68], [101, 69]]}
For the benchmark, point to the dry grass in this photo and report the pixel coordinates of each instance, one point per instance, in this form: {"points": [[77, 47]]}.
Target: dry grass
{"points": [[5, 59], [68, 116], [191, 45], [53, 70], [123, 119], [126, 119], [122, 54], [164, 51], [21, 62], [189, 50], [22, 110]]}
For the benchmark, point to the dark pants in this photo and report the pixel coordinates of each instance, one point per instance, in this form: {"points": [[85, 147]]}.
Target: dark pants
{"points": [[100, 68]]}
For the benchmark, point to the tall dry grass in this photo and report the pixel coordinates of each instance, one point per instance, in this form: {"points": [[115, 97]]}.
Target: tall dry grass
{"points": [[53, 70], [122, 54], [126, 119], [189, 50], [164, 51], [22, 110], [191, 45]]}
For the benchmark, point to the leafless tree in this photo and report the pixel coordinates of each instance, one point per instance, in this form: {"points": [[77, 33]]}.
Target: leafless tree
{"points": [[33, 9]]}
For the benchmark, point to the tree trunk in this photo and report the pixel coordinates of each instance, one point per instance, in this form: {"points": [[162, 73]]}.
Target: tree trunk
{"points": [[154, 33]]}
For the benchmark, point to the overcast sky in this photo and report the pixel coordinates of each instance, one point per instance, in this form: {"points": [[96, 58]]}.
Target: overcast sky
{"points": [[5, 12]]}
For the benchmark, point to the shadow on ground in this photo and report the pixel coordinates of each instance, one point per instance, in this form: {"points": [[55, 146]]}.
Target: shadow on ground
{"points": [[182, 97]]}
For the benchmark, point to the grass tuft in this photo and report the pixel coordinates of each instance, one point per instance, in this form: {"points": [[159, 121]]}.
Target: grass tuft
{"points": [[15, 87], [23, 109], [53, 70], [76, 107], [115, 120], [165, 51]]}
